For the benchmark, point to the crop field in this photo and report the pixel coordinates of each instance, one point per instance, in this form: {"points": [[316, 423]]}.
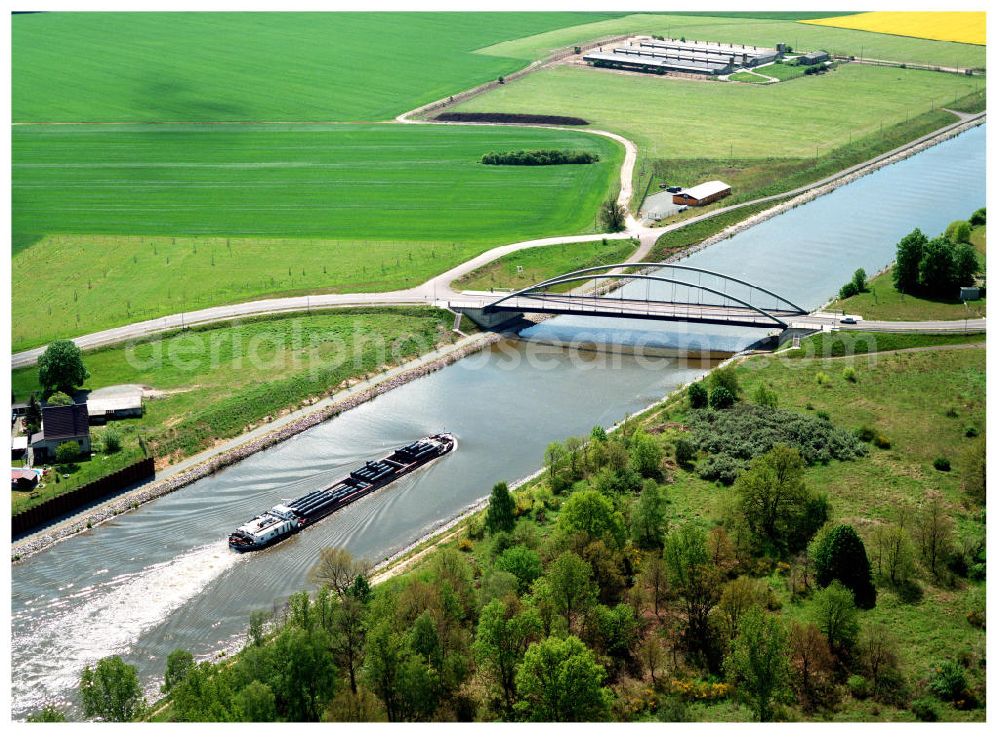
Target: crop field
{"points": [[727, 120], [256, 66], [751, 30], [144, 221], [215, 380], [966, 28]]}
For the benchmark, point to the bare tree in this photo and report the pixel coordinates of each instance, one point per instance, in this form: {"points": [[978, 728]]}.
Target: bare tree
{"points": [[738, 597], [654, 578], [893, 558], [337, 569], [652, 655], [811, 662], [934, 532]]}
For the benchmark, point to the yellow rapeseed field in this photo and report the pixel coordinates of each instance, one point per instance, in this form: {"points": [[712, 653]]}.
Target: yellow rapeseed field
{"points": [[966, 28]]}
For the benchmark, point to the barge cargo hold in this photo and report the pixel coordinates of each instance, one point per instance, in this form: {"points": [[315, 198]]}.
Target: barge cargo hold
{"points": [[286, 519]]}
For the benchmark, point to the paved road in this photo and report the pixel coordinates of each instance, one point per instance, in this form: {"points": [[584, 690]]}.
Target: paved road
{"points": [[438, 290]]}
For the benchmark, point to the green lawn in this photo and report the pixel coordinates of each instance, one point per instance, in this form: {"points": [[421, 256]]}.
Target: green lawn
{"points": [[139, 221], [722, 120], [256, 66], [751, 30], [216, 381], [543, 262], [754, 79], [844, 343], [784, 71], [883, 302]]}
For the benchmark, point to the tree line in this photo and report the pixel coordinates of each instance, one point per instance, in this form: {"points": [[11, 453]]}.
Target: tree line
{"points": [[540, 157]]}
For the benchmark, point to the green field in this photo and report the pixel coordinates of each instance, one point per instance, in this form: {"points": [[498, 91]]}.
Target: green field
{"points": [[144, 221], [218, 380], [845, 343], [883, 302], [542, 262], [750, 30], [256, 66], [723, 120]]}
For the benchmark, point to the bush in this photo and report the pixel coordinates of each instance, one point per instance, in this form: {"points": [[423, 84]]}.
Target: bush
{"points": [[823, 415], [111, 442], [684, 451], [849, 374], [948, 681], [539, 157], [67, 452], [866, 433], [765, 395], [858, 686], [978, 218], [971, 432], [720, 468], [924, 709], [942, 464], [822, 378], [725, 377], [882, 442], [720, 398], [958, 232], [697, 395], [847, 291], [59, 398]]}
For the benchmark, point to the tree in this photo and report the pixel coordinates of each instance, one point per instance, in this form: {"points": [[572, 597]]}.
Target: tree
{"points": [[811, 663], [859, 279], [834, 612], [649, 516], [652, 655], [840, 555], [555, 453], [894, 557], [111, 690], [937, 267], [504, 632], [966, 265], [958, 232], [720, 398], [384, 654], [695, 581], [591, 513], [697, 395], [337, 569], [654, 577], [179, 663], [646, 454], [877, 653], [256, 703], [934, 533], [571, 588], [559, 680], [758, 664], [978, 218], [684, 451], [61, 367], [613, 215], [523, 563], [909, 252], [725, 377], [304, 675], [738, 597], [500, 512], [33, 417], [48, 715], [778, 507], [347, 635]]}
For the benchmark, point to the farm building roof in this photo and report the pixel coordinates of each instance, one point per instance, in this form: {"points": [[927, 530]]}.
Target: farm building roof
{"points": [[705, 189], [103, 405], [655, 63], [760, 53], [65, 421]]}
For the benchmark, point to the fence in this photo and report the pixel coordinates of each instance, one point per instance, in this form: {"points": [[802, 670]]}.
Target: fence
{"points": [[63, 504]]}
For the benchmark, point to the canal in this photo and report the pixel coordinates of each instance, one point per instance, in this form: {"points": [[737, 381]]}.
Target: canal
{"points": [[161, 578]]}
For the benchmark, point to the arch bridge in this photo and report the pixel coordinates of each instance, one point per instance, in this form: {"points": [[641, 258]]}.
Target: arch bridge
{"points": [[675, 293]]}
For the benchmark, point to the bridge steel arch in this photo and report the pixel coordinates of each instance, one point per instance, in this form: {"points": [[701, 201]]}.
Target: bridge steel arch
{"points": [[526, 292], [583, 274]]}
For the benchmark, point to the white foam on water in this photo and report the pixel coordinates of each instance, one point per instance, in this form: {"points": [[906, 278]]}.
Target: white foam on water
{"points": [[49, 649]]}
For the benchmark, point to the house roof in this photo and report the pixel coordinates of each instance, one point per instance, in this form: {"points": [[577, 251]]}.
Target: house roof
{"points": [[109, 404], [705, 189], [65, 421]]}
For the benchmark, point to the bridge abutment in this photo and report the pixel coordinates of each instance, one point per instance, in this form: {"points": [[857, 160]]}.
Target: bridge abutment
{"points": [[489, 320]]}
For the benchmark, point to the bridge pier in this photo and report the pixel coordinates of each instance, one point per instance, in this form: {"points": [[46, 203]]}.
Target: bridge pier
{"points": [[489, 320]]}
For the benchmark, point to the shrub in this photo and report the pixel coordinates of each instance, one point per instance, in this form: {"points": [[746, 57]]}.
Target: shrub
{"points": [[858, 686], [882, 442], [942, 464], [720, 468], [765, 395], [924, 709], [823, 415], [697, 395], [539, 157], [59, 398], [978, 218], [720, 398], [849, 374], [67, 452], [465, 545], [948, 681], [725, 377], [111, 442], [684, 451], [951, 413], [822, 378], [847, 291], [866, 433], [971, 432]]}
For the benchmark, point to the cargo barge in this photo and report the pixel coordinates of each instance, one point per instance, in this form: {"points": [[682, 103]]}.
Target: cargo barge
{"points": [[290, 517]]}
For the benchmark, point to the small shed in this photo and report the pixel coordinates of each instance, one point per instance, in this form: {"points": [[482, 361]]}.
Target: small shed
{"points": [[813, 57], [23, 479], [703, 194]]}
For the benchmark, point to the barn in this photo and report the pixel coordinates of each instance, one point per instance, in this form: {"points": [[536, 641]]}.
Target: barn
{"points": [[703, 194]]}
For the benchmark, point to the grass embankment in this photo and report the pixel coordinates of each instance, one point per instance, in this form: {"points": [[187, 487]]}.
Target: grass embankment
{"points": [[219, 381], [371, 208], [883, 302], [849, 343], [529, 266], [256, 66], [751, 28], [674, 241]]}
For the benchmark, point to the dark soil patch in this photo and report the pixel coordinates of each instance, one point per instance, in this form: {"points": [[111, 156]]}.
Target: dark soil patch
{"points": [[556, 120]]}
